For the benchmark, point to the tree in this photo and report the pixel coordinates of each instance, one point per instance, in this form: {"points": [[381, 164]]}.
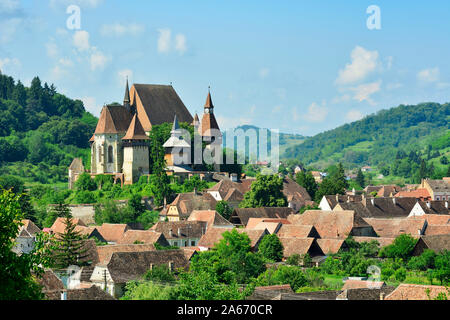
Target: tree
{"points": [[307, 181], [61, 210], [224, 209], [160, 274], [136, 206], [444, 160], [360, 179], [266, 191], [17, 281], [70, 248], [291, 275], [442, 263], [85, 183], [271, 248], [147, 290], [231, 259], [402, 247]]}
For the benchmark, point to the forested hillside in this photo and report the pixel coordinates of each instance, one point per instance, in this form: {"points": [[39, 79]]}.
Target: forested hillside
{"points": [[408, 131], [41, 131]]}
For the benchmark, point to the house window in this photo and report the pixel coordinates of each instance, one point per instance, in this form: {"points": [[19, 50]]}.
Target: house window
{"points": [[171, 266], [175, 243], [110, 154], [193, 243], [437, 198]]}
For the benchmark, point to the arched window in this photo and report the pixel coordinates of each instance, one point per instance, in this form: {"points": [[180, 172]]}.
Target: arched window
{"points": [[110, 154]]}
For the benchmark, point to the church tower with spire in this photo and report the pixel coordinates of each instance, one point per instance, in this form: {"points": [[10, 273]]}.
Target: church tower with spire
{"points": [[209, 129], [126, 99], [135, 152]]}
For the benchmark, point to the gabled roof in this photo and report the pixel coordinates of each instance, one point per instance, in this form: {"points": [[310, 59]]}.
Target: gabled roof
{"points": [[113, 119], [437, 243], [388, 207], [294, 192], [297, 231], [421, 193], [434, 207], [105, 252], [301, 246], [214, 235], [188, 202], [271, 227], [160, 103], [331, 246], [394, 227], [59, 225], [180, 229], [241, 216], [333, 200], [77, 165], [435, 229], [225, 185], [388, 191], [416, 292], [30, 227], [438, 185], [211, 217], [112, 232], [208, 123], [143, 236], [135, 130], [127, 266], [330, 224]]}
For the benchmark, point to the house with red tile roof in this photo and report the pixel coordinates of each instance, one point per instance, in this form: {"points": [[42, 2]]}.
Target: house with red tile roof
{"points": [[417, 292]]}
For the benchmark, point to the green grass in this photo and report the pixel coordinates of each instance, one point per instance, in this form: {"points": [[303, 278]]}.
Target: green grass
{"points": [[333, 281]]}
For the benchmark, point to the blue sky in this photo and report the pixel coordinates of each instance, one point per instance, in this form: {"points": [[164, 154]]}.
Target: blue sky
{"points": [[297, 66]]}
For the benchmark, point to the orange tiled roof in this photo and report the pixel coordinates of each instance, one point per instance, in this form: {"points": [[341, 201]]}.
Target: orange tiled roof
{"points": [[416, 292]]}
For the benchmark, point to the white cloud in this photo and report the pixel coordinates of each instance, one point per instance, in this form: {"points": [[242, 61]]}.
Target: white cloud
{"points": [[354, 115], [363, 63], [180, 43], [52, 49], [98, 60], [263, 73], [364, 91], [9, 6], [123, 74], [81, 40], [8, 29], [429, 75], [8, 64], [118, 30], [164, 40], [316, 112]]}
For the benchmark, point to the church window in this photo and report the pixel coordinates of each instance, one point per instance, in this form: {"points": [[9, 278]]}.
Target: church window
{"points": [[110, 154]]}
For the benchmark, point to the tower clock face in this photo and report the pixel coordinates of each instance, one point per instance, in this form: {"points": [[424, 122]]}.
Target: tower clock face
{"points": [[206, 110]]}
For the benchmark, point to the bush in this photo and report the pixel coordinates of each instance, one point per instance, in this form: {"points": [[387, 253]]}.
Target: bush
{"points": [[400, 274], [159, 273], [85, 197], [293, 276], [146, 291], [401, 248], [293, 260]]}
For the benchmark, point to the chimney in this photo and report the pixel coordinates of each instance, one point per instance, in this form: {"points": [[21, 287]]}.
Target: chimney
{"points": [[428, 204], [381, 296], [179, 232], [64, 295], [446, 204], [337, 198], [372, 200], [165, 202], [348, 198], [234, 177], [394, 201], [170, 233]]}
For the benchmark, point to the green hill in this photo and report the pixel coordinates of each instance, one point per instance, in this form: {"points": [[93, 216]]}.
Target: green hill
{"points": [[377, 139], [41, 131]]}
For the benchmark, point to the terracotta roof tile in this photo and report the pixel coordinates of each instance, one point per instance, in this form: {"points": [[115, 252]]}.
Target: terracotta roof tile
{"points": [[112, 232], [416, 292], [135, 130]]}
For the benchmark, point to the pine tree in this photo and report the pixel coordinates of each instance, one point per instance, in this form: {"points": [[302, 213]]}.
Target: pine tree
{"points": [[307, 181], [70, 248], [360, 179]]}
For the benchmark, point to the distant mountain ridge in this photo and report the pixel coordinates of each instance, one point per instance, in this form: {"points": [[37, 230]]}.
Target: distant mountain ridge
{"points": [[377, 138]]}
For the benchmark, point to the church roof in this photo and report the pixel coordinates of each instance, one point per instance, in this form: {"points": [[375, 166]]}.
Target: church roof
{"points": [[208, 103], [159, 105], [127, 93], [113, 119], [135, 131]]}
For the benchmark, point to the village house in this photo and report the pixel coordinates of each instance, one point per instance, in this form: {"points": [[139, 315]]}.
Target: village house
{"points": [[183, 205], [296, 195], [111, 232], [416, 292], [430, 207], [261, 224], [181, 233], [380, 207], [421, 194], [301, 246], [297, 231], [211, 217], [149, 237], [231, 190], [438, 189], [333, 224], [122, 267], [240, 216], [24, 242], [328, 202], [437, 243], [214, 235], [59, 227]]}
